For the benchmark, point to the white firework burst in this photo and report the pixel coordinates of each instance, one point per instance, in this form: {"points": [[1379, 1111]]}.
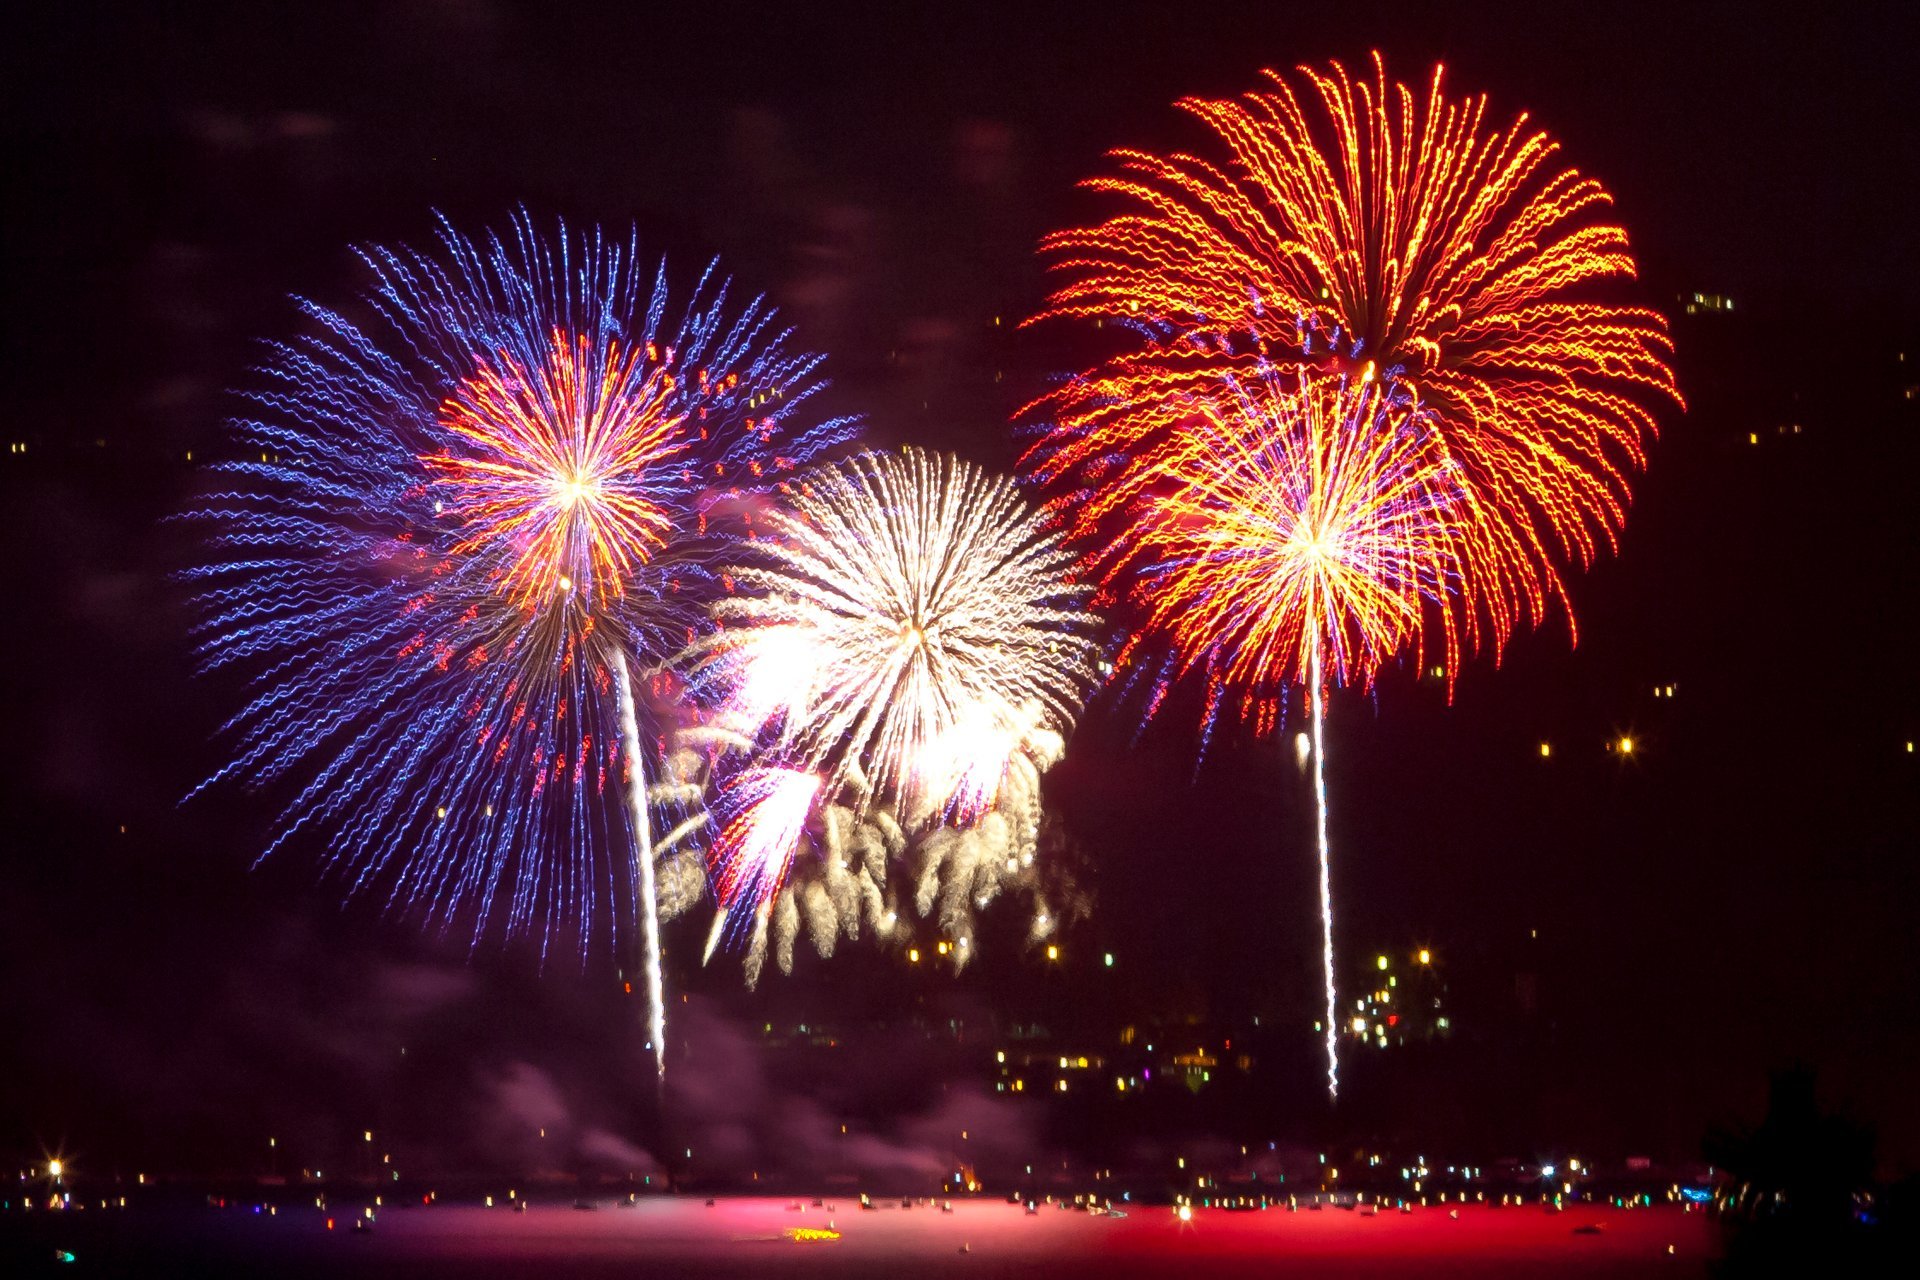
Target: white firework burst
{"points": [[909, 634]]}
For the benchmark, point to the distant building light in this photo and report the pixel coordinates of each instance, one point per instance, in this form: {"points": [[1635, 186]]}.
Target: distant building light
{"points": [[1426, 956], [1380, 962]]}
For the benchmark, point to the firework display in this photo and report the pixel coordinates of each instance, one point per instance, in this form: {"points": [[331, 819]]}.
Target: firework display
{"points": [[557, 623], [905, 650], [1382, 395], [1356, 224], [446, 558]]}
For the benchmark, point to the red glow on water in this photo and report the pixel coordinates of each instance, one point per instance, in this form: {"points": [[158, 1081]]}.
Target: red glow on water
{"points": [[739, 1236]]}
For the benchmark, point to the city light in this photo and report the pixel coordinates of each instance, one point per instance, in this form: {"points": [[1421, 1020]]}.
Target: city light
{"points": [[1426, 956]]}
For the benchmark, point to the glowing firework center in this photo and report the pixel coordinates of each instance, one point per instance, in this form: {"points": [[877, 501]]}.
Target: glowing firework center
{"points": [[550, 485]]}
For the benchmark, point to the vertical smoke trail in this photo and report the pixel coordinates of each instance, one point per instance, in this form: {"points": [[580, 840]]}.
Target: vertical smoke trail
{"points": [[643, 833], [1326, 872]]}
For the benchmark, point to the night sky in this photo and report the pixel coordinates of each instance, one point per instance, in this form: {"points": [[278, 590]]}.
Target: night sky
{"points": [[1735, 896]]}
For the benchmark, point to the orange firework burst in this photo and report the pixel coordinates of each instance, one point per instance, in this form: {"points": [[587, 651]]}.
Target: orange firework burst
{"points": [[1294, 515], [1434, 399], [558, 489], [1356, 225]]}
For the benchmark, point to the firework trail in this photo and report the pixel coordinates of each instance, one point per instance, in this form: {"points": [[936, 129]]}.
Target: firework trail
{"points": [[1318, 697], [450, 528], [906, 638], [642, 819], [1356, 228]]}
